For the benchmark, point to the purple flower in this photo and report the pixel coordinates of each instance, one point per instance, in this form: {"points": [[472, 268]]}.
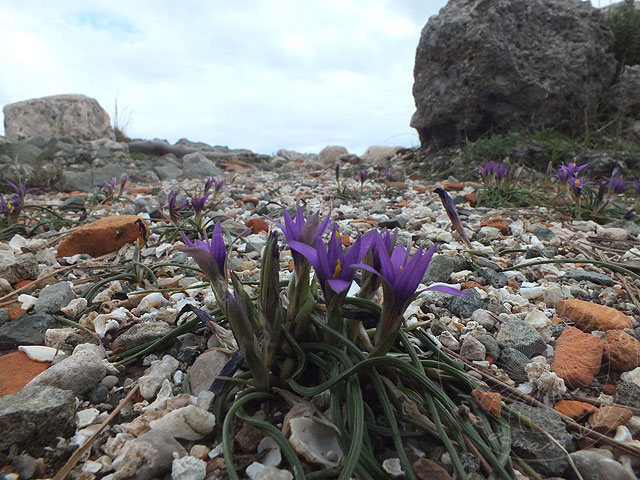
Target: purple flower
{"points": [[617, 185], [363, 174], [402, 274], [566, 173], [175, 208], [304, 229], [211, 255], [333, 266], [198, 202], [21, 188], [11, 208], [576, 184], [388, 175], [452, 213], [111, 184], [636, 186], [212, 182], [494, 170], [123, 181]]}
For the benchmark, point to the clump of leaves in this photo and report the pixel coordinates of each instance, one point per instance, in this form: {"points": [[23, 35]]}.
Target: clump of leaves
{"points": [[624, 20], [502, 187]]}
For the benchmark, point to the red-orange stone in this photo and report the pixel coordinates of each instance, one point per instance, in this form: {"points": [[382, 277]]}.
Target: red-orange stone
{"points": [[16, 370], [490, 402], [590, 316], [574, 409], [622, 351], [103, 236], [257, 225], [577, 358]]}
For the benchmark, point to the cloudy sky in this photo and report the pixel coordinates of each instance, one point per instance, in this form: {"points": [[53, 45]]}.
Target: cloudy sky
{"points": [[254, 74]]}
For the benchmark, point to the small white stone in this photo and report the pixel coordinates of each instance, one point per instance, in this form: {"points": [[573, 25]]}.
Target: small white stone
{"points": [[273, 457], [392, 467], [314, 441], [151, 382], [188, 468], [74, 307], [632, 376], [152, 301], [86, 417], [258, 471], [189, 423], [26, 301], [39, 353]]}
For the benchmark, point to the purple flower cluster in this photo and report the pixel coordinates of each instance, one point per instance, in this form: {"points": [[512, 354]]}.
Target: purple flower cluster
{"points": [[335, 266], [212, 182], [12, 207], [494, 171]]}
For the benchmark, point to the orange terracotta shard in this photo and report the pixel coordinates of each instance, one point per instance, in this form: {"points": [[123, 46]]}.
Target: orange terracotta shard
{"points": [[103, 236]]}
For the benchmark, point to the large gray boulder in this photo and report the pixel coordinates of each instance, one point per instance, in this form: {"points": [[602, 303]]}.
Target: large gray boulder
{"points": [[58, 116], [492, 64]]}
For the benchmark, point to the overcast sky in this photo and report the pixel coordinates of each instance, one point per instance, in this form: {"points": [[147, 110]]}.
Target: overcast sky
{"points": [[253, 74]]}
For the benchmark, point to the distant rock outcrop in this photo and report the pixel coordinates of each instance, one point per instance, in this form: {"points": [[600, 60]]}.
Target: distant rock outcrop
{"points": [[58, 116], [486, 65]]}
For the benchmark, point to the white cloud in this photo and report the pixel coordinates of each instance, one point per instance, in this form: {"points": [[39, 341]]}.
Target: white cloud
{"points": [[251, 74]]}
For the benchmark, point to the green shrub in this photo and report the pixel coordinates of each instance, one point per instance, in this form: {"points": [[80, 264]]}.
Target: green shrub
{"points": [[624, 20]]}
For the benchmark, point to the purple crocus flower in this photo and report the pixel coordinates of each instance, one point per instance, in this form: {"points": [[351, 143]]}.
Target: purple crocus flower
{"points": [[362, 175], [577, 183], [123, 182], [333, 266], [210, 255], [21, 189], [636, 186], [452, 213], [304, 229], [388, 175], [401, 275], [212, 182], [569, 171], [11, 208], [617, 185], [494, 171], [111, 184], [198, 202], [175, 208]]}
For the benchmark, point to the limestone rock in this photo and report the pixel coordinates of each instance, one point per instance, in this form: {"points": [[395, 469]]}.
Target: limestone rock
{"points": [[23, 267], [332, 155], [539, 452], [160, 371], [58, 116], [379, 155], [595, 464], [196, 165], [623, 95], [36, 416], [25, 330], [53, 297], [80, 372], [205, 369], [483, 65], [147, 457]]}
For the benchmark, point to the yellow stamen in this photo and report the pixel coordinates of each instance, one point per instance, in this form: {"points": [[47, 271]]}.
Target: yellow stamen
{"points": [[336, 272], [401, 267], [337, 238]]}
